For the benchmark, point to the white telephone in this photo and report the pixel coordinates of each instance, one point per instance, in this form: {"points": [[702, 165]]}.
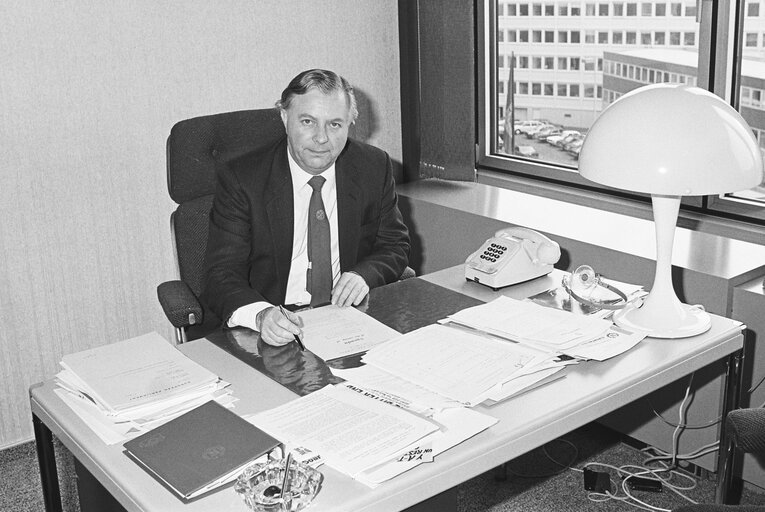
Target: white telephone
{"points": [[512, 256]]}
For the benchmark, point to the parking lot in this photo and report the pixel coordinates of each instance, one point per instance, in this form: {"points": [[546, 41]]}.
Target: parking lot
{"points": [[546, 152]]}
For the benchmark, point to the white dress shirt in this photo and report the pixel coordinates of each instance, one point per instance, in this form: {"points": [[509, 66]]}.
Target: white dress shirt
{"points": [[297, 292]]}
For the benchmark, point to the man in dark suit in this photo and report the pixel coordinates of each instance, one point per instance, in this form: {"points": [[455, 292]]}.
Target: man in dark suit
{"points": [[260, 241]]}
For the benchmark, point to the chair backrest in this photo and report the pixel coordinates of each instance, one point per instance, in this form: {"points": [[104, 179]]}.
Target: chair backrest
{"points": [[195, 149]]}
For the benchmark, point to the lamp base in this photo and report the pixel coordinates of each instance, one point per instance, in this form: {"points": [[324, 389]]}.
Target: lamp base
{"points": [[691, 322]]}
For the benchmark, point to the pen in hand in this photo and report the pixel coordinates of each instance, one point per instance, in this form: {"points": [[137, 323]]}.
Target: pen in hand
{"points": [[297, 338]]}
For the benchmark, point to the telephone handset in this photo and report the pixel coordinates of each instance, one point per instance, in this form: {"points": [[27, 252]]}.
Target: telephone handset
{"points": [[511, 256]]}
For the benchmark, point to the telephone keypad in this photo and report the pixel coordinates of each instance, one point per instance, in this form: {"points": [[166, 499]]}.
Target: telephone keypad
{"points": [[492, 254]]}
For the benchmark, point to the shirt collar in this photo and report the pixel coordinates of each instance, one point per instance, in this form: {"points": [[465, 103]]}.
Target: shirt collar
{"points": [[300, 177]]}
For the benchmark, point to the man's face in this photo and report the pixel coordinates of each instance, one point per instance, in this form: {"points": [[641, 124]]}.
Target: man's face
{"points": [[317, 128]]}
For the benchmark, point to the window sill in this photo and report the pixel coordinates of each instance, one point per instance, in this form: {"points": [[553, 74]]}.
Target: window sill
{"points": [[603, 222], [738, 230]]}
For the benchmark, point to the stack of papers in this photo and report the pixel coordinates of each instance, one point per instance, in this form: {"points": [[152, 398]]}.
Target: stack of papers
{"points": [[548, 329], [124, 389], [461, 366]]}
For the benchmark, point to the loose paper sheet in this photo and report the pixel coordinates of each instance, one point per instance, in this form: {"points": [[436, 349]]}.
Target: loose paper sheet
{"points": [[458, 424], [350, 431], [332, 331]]}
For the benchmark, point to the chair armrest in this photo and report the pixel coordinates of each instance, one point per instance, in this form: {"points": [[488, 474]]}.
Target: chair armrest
{"points": [[408, 273], [747, 429], [181, 306]]}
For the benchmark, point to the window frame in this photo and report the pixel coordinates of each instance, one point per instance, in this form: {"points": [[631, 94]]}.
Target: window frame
{"points": [[716, 21]]}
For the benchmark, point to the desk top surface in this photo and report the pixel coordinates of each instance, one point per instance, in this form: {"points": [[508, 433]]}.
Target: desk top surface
{"points": [[587, 392]]}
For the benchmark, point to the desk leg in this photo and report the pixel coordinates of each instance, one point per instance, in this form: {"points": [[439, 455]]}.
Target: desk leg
{"points": [[726, 455], [46, 458]]}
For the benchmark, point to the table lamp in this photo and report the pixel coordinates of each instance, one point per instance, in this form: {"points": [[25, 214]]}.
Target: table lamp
{"points": [[669, 141]]}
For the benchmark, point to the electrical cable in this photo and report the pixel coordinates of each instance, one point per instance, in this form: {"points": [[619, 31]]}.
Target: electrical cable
{"points": [[680, 421], [710, 423], [667, 472]]}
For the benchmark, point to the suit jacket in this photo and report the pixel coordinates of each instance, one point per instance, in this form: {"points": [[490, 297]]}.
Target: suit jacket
{"points": [[251, 226]]}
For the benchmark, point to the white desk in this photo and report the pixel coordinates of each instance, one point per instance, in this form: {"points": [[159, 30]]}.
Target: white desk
{"points": [[589, 391]]}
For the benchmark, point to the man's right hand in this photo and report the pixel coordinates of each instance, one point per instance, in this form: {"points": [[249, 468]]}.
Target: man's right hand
{"points": [[278, 327]]}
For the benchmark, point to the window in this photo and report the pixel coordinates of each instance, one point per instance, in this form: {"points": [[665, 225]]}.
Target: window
{"points": [[571, 90]]}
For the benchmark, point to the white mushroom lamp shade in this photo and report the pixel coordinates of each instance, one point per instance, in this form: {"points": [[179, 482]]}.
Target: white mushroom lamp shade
{"points": [[670, 140]]}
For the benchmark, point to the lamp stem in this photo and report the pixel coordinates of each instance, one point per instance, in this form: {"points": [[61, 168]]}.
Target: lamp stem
{"points": [[665, 211], [662, 315]]}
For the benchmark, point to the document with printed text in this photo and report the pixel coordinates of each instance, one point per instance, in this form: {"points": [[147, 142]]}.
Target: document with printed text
{"points": [[453, 362], [351, 432], [332, 331]]}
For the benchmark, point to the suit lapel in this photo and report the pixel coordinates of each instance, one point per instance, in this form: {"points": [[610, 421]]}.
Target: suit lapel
{"points": [[281, 212], [348, 190]]}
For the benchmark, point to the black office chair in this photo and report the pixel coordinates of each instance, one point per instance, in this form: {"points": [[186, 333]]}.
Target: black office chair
{"points": [[195, 148], [746, 427]]}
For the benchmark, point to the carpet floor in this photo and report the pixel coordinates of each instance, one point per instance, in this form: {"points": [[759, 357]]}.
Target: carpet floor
{"points": [[546, 479]]}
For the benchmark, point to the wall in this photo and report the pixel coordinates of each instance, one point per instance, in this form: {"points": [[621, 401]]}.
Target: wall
{"points": [[88, 93]]}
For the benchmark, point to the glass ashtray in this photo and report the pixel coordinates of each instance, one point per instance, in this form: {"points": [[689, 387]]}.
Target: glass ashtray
{"points": [[259, 485]]}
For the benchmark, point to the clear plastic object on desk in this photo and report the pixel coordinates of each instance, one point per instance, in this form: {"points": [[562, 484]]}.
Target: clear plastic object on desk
{"points": [[260, 486]]}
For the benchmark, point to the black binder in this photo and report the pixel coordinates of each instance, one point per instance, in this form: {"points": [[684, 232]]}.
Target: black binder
{"points": [[200, 450]]}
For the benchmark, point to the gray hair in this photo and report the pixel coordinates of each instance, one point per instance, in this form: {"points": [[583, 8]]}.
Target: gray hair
{"points": [[326, 81]]}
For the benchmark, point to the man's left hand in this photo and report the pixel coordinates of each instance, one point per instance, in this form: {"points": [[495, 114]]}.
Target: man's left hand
{"points": [[350, 289]]}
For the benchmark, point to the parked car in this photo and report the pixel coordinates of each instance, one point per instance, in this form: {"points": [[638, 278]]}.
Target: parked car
{"points": [[524, 126], [555, 139], [574, 147], [568, 138], [546, 132], [574, 140], [527, 151], [532, 131]]}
